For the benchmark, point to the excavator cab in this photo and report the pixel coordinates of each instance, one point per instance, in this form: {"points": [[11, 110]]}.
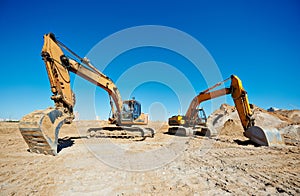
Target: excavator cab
{"points": [[202, 119], [131, 110]]}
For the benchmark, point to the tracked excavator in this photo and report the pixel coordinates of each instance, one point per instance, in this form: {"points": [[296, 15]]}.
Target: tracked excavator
{"points": [[194, 122], [40, 128]]}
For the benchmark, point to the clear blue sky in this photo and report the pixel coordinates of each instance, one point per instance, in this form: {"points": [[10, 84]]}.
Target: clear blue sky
{"points": [[257, 40]]}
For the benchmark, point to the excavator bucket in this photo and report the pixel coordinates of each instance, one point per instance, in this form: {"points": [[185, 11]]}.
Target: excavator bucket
{"points": [[40, 130], [264, 136]]}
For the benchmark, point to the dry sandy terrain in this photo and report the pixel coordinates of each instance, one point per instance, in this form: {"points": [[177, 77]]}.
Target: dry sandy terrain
{"points": [[163, 165]]}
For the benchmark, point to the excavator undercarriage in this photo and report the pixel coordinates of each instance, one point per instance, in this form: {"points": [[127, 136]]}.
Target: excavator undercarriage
{"points": [[138, 133]]}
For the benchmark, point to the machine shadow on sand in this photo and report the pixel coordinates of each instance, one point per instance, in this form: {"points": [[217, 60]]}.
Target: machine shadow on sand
{"points": [[245, 142], [66, 142], [195, 134], [180, 134]]}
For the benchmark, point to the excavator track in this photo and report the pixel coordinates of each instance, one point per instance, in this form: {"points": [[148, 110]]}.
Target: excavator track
{"points": [[40, 130], [121, 132], [189, 131]]}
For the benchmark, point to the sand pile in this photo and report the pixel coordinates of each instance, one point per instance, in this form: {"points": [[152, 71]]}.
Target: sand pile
{"points": [[226, 122]]}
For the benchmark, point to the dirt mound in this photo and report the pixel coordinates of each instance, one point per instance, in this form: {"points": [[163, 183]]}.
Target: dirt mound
{"points": [[230, 125], [218, 118], [225, 121], [292, 116]]}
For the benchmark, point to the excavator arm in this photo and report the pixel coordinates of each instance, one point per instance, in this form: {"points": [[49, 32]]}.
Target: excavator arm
{"points": [[240, 98], [239, 95], [58, 66]]}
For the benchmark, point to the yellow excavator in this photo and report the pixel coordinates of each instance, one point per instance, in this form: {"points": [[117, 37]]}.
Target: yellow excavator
{"points": [[194, 122], [40, 128]]}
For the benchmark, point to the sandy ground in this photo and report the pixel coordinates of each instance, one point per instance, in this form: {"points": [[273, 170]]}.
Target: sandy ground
{"points": [[164, 165]]}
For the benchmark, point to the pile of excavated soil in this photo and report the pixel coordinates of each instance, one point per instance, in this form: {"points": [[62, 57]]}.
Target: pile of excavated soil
{"points": [[226, 122], [292, 116]]}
